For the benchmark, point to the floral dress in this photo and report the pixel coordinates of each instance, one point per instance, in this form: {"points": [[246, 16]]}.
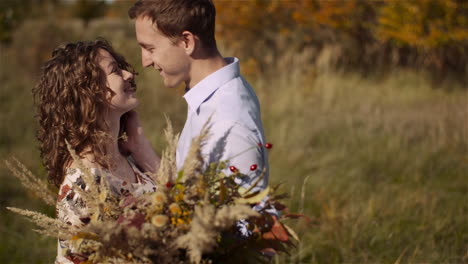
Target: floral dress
{"points": [[74, 212]]}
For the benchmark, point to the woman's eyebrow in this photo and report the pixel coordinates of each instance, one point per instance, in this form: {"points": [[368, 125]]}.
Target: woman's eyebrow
{"points": [[112, 64]]}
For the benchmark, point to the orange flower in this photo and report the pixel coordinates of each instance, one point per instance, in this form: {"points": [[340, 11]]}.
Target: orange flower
{"points": [[159, 198], [159, 220]]}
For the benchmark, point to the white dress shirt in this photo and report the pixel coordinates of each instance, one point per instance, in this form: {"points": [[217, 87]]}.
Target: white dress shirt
{"points": [[236, 126]]}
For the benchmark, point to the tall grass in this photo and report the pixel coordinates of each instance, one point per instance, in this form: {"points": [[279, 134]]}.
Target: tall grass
{"points": [[387, 167], [378, 164]]}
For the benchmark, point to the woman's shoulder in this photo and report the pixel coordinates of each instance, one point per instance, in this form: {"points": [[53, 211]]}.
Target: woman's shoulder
{"points": [[75, 171], [75, 176]]}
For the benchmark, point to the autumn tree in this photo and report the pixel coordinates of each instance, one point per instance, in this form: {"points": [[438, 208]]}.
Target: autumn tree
{"points": [[87, 10], [369, 35]]}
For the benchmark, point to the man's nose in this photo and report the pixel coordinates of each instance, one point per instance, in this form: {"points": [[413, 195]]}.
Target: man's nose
{"points": [[145, 58]]}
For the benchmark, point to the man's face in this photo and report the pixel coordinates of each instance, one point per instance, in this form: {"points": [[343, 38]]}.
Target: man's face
{"points": [[160, 52]]}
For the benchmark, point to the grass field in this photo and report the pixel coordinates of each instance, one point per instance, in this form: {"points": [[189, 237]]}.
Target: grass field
{"points": [[379, 164]]}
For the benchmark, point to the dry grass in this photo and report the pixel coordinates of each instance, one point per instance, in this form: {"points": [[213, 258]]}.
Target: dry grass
{"points": [[386, 158], [383, 162]]}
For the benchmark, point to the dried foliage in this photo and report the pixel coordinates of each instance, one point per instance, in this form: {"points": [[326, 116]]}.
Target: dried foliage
{"points": [[167, 171], [200, 217], [31, 182], [49, 226], [207, 223]]}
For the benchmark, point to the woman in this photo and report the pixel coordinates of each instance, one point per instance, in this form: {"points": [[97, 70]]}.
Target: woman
{"points": [[84, 93]]}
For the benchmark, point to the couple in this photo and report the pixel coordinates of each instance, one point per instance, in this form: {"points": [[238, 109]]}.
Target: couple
{"points": [[86, 97]]}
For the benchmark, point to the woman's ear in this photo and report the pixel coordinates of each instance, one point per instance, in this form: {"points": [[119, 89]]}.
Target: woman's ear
{"points": [[190, 42], [109, 93]]}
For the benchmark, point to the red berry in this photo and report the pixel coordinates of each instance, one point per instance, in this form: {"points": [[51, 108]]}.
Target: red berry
{"points": [[253, 167], [268, 145], [169, 184], [233, 169], [260, 144]]}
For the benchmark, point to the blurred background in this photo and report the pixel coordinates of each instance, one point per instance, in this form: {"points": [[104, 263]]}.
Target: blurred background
{"points": [[366, 103]]}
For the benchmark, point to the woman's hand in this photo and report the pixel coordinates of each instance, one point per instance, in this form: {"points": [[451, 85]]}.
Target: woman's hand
{"points": [[137, 144], [133, 132]]}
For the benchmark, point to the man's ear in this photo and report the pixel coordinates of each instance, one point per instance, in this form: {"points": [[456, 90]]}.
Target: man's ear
{"points": [[189, 41]]}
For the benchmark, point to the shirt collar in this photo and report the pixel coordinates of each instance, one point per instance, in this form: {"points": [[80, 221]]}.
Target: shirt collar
{"points": [[202, 90]]}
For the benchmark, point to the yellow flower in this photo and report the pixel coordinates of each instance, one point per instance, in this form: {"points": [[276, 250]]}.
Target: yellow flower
{"points": [[175, 209], [159, 220], [179, 197], [159, 198], [180, 222]]}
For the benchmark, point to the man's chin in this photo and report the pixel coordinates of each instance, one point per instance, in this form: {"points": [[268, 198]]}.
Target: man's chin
{"points": [[171, 85]]}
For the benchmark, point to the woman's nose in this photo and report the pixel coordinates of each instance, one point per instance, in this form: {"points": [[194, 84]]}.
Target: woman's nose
{"points": [[128, 75]]}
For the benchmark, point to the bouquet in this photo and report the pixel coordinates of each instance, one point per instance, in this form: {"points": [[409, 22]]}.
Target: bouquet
{"points": [[196, 215]]}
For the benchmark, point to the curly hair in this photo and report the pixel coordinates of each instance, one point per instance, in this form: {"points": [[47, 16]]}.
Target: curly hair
{"points": [[71, 98]]}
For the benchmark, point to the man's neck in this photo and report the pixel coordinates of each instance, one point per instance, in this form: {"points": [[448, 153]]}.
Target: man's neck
{"points": [[202, 67]]}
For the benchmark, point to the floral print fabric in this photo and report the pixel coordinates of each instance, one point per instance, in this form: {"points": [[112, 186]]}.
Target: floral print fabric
{"points": [[74, 212]]}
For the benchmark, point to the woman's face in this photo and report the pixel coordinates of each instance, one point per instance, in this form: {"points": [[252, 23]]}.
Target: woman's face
{"points": [[120, 82]]}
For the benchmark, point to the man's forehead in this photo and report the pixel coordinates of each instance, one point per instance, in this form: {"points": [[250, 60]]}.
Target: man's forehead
{"points": [[145, 27], [145, 23]]}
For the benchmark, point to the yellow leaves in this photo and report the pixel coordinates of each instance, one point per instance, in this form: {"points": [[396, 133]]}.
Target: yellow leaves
{"points": [[85, 235], [422, 24], [253, 198], [335, 14], [299, 17]]}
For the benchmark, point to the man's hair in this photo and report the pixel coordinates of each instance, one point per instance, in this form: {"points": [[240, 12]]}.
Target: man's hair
{"points": [[172, 17], [71, 97]]}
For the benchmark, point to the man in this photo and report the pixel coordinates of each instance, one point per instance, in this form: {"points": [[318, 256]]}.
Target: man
{"points": [[177, 39]]}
